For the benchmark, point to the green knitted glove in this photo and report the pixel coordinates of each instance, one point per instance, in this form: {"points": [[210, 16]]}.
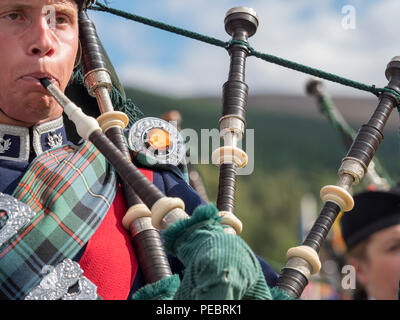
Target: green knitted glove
{"points": [[217, 265], [164, 289], [279, 294]]}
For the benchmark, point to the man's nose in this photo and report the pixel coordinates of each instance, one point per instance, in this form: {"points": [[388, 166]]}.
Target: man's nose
{"points": [[42, 38]]}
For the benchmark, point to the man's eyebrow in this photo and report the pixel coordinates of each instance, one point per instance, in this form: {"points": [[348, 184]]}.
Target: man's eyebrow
{"points": [[14, 5], [64, 8], [59, 7]]}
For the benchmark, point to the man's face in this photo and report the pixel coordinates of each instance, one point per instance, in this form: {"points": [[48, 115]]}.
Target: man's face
{"points": [[37, 38]]}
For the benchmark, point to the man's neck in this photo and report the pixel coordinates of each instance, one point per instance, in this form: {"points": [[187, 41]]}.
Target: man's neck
{"points": [[6, 119]]}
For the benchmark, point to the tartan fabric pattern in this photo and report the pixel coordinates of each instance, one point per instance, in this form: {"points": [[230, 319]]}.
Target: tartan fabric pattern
{"points": [[70, 188]]}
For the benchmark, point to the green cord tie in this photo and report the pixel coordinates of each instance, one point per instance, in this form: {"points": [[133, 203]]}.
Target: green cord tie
{"points": [[230, 43]]}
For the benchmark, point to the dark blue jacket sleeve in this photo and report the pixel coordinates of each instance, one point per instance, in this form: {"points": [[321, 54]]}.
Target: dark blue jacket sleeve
{"points": [[174, 186]]}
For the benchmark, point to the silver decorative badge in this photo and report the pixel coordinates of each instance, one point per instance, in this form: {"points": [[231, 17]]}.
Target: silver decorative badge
{"points": [[49, 130], [157, 139], [54, 140], [16, 214], [4, 145], [58, 282], [20, 137]]}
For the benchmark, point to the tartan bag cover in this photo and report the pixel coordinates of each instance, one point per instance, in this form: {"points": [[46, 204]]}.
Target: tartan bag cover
{"points": [[70, 188]]}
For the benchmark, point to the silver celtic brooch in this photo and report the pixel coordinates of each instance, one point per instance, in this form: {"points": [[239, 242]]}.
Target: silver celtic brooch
{"points": [[15, 214], [158, 140], [59, 282]]}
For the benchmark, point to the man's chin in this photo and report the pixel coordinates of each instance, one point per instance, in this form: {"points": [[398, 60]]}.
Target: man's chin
{"points": [[34, 111], [39, 99]]}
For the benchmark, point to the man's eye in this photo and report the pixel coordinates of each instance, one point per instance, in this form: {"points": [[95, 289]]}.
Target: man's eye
{"points": [[394, 247], [62, 20], [13, 16]]}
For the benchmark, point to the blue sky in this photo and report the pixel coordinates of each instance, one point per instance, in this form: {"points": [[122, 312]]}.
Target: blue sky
{"points": [[305, 31]]}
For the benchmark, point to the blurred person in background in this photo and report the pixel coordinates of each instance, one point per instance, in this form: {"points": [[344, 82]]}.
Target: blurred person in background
{"points": [[371, 232]]}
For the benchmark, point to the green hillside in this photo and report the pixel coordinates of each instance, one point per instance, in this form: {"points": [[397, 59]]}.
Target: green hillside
{"points": [[293, 156]]}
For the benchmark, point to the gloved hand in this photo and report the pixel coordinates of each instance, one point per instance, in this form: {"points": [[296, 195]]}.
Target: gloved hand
{"points": [[217, 265]]}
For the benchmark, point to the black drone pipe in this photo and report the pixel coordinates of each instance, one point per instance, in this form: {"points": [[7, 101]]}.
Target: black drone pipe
{"points": [[314, 87], [241, 23], [303, 261], [145, 238]]}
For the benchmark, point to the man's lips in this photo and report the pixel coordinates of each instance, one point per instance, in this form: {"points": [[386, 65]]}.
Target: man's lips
{"points": [[35, 77]]}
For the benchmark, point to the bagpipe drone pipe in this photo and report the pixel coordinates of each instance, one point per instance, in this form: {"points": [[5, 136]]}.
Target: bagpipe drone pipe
{"points": [[376, 179], [376, 176], [302, 261]]}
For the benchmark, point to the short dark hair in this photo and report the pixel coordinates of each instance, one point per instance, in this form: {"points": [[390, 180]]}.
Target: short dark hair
{"points": [[83, 3]]}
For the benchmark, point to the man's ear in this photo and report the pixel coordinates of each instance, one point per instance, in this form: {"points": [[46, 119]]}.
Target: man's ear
{"points": [[361, 269]]}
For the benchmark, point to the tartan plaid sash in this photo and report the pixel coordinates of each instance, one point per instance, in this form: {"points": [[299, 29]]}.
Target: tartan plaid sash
{"points": [[70, 188]]}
